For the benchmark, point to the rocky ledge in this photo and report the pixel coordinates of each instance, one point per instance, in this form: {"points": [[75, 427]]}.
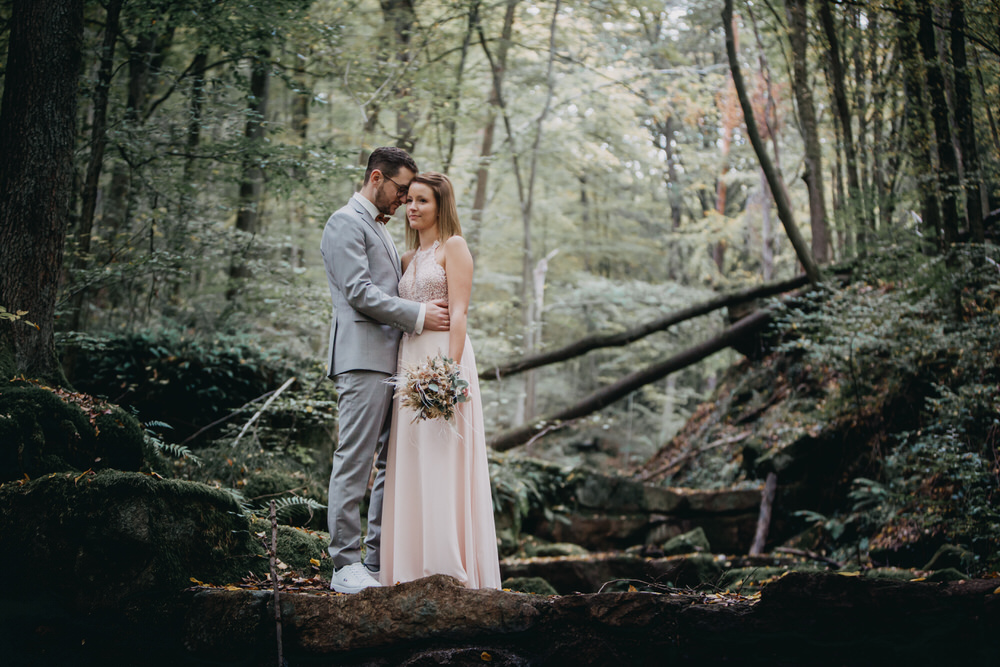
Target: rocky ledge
{"points": [[814, 619]]}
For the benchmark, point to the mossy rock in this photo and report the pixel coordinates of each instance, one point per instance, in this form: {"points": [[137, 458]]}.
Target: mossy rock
{"points": [[297, 548], [554, 549], [693, 541], [533, 585], [102, 538], [41, 433]]}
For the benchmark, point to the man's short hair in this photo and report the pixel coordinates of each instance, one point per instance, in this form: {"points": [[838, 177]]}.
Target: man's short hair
{"points": [[389, 160]]}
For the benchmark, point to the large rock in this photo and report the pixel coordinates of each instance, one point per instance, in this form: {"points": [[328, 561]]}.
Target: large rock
{"points": [[101, 539]]}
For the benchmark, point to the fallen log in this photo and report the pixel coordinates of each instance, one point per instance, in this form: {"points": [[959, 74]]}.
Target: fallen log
{"points": [[626, 385]]}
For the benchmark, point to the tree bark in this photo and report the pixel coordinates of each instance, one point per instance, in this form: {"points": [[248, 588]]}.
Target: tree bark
{"points": [[37, 134], [773, 178], [625, 386]]}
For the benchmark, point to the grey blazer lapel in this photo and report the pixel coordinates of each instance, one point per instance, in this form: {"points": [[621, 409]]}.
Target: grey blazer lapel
{"points": [[384, 237]]}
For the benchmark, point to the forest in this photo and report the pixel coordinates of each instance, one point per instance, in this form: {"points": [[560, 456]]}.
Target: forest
{"points": [[715, 243]]}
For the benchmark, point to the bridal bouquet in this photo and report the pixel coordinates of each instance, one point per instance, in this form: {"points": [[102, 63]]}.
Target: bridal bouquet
{"points": [[432, 389]]}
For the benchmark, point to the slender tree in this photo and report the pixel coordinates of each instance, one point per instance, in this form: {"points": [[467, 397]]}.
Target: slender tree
{"points": [[965, 120], [798, 34]]}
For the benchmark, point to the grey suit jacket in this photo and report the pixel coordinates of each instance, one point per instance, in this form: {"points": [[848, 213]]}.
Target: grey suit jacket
{"points": [[363, 270]]}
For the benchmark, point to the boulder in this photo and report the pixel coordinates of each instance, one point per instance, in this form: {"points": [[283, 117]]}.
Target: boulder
{"points": [[693, 541], [98, 539]]}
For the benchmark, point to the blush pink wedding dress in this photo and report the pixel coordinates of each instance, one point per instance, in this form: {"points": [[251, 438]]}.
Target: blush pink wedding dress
{"points": [[437, 512]]}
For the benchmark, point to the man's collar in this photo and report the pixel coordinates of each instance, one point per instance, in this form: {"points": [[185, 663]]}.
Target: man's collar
{"points": [[368, 205]]}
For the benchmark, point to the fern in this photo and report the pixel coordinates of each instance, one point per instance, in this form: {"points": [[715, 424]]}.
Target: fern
{"points": [[167, 449], [291, 506]]}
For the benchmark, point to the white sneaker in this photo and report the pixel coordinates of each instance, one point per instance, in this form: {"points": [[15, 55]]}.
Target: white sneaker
{"points": [[352, 579]]}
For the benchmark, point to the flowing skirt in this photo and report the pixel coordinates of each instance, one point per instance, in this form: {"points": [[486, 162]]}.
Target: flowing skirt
{"points": [[437, 513]]}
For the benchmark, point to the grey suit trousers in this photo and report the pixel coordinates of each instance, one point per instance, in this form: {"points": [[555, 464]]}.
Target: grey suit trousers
{"points": [[364, 401]]}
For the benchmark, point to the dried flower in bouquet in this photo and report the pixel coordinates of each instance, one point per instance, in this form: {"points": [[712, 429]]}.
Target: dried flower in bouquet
{"points": [[432, 389]]}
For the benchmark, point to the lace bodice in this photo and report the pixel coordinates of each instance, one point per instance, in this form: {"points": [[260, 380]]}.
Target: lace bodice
{"points": [[424, 279]]}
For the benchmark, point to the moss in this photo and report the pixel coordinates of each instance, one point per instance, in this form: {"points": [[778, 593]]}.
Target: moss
{"points": [[533, 585], [297, 548], [111, 535], [40, 432]]}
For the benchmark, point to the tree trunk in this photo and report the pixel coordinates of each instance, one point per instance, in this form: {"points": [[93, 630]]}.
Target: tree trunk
{"points": [[37, 134], [773, 178], [497, 66], [95, 163], [532, 318], [252, 182], [966, 124], [455, 94], [402, 19], [798, 32], [947, 160], [835, 62], [917, 132]]}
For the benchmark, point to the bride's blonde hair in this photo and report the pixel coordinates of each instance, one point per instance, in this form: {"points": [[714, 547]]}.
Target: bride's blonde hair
{"points": [[447, 218]]}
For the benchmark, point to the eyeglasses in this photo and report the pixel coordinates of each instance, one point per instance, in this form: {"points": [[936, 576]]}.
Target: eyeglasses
{"points": [[400, 189]]}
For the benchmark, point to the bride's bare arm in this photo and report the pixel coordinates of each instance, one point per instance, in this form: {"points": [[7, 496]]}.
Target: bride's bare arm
{"points": [[458, 268]]}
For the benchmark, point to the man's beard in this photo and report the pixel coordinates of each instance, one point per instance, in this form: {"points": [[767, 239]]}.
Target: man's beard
{"points": [[383, 203]]}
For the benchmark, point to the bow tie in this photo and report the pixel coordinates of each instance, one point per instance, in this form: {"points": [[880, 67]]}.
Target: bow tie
{"points": [[381, 217]]}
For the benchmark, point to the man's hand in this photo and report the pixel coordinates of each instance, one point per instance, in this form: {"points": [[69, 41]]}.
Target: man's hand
{"points": [[436, 317]]}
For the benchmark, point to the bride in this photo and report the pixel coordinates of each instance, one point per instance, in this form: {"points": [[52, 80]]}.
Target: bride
{"points": [[437, 513]]}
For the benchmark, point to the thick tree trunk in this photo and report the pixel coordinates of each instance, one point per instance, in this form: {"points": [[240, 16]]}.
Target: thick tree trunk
{"points": [[947, 161], [773, 178], [798, 33], [37, 133], [966, 124]]}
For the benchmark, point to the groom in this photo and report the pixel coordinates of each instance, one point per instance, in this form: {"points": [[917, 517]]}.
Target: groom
{"points": [[369, 318]]}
